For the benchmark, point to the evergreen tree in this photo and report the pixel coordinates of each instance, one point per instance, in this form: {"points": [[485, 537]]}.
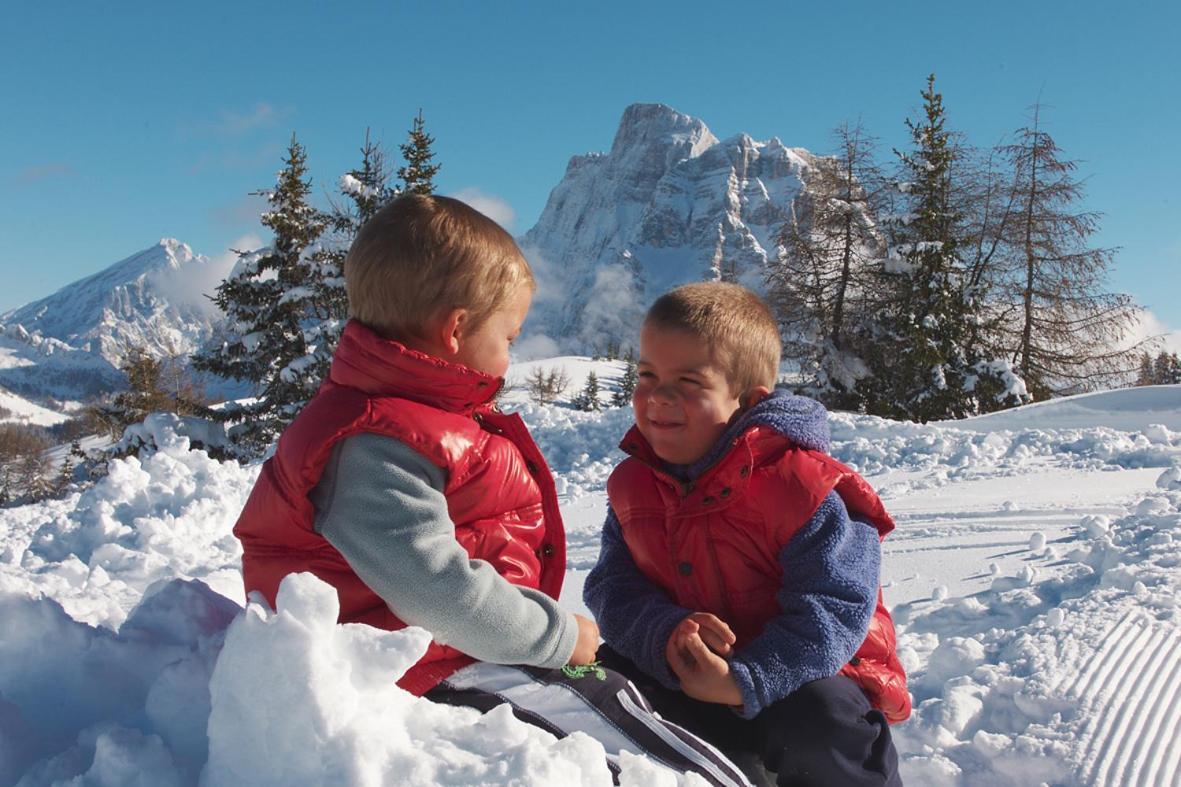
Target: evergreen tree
{"points": [[588, 399], [627, 384], [1166, 369], [153, 385], [418, 174], [1147, 373], [1070, 334], [819, 289], [269, 300], [363, 191], [926, 349]]}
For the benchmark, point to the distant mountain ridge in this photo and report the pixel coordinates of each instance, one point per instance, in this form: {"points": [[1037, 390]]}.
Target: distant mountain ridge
{"points": [[70, 344], [129, 304], [668, 204]]}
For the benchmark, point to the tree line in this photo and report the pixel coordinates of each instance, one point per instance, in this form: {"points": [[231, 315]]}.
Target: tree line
{"points": [[948, 281]]}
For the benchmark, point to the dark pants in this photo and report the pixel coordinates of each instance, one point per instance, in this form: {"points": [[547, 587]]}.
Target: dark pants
{"points": [[825, 733]]}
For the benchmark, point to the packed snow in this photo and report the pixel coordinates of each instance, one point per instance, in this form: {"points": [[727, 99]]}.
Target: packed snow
{"points": [[1034, 577]]}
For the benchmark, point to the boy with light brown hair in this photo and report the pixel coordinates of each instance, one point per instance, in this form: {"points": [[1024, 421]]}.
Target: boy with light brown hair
{"points": [[738, 579], [403, 486]]}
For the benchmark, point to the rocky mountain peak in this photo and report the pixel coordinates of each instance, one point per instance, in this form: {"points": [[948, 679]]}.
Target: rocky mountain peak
{"points": [[669, 204]]}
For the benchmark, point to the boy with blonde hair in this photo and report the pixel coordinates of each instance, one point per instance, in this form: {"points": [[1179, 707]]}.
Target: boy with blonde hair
{"points": [[403, 486], [737, 584]]}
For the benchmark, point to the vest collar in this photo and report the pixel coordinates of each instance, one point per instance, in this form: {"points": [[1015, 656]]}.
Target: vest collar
{"points": [[742, 452], [383, 367]]}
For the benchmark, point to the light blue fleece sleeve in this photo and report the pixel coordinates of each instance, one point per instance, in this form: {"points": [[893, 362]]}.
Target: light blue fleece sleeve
{"points": [[381, 504], [826, 600]]}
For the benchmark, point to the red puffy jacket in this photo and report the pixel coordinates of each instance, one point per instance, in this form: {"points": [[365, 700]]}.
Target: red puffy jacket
{"points": [[734, 520], [499, 491]]}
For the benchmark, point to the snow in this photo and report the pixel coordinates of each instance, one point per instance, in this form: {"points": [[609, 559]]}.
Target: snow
{"points": [[1033, 575]]}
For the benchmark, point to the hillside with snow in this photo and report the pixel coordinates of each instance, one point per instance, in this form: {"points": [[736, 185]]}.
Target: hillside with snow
{"points": [[1033, 576], [668, 204]]}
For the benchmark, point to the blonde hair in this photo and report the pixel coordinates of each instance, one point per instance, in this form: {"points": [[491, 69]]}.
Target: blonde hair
{"points": [[423, 254], [735, 323]]}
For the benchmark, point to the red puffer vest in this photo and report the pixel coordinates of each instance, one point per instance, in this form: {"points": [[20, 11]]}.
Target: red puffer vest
{"points": [[713, 544], [499, 491]]}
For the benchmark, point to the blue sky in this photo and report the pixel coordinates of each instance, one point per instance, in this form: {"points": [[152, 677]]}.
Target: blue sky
{"points": [[124, 123]]}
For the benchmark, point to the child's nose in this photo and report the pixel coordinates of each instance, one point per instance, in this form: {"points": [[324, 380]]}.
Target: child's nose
{"points": [[663, 394]]}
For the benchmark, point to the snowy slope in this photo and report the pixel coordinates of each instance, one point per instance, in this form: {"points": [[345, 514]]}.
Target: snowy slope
{"points": [[668, 204], [1033, 576]]}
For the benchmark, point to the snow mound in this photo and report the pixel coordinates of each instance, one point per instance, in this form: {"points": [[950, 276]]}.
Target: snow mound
{"points": [[321, 700], [154, 518]]}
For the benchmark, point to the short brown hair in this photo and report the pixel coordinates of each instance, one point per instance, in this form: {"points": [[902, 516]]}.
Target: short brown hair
{"points": [[421, 254], [733, 321]]}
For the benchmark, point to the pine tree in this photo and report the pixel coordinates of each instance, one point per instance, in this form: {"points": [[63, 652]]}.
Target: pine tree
{"points": [[926, 352], [1070, 335], [153, 385], [627, 384], [269, 302], [418, 174], [588, 399], [1166, 369], [363, 192], [1147, 374], [819, 289]]}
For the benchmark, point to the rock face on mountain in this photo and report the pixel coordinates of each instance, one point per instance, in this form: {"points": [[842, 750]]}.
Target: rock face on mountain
{"points": [[70, 344], [669, 204]]}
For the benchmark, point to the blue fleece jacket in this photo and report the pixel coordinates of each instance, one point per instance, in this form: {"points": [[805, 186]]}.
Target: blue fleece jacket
{"points": [[827, 597]]}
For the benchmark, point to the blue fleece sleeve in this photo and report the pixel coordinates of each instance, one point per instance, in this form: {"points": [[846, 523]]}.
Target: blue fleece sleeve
{"points": [[635, 616], [829, 591]]}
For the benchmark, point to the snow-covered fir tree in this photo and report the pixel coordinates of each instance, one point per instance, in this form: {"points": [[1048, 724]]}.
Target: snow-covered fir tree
{"points": [[418, 174], [270, 302], [627, 383], [363, 191], [588, 398], [925, 351]]}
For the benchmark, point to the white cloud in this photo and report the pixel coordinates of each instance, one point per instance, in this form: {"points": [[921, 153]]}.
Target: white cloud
{"points": [[234, 123], [40, 172], [193, 284], [1152, 326], [490, 205], [529, 348]]}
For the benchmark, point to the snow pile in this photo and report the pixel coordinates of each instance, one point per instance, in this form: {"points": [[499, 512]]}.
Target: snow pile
{"points": [[165, 516], [321, 697], [875, 445]]}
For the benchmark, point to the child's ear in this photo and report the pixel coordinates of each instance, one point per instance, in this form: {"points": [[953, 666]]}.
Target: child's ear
{"points": [[451, 328], [752, 396]]}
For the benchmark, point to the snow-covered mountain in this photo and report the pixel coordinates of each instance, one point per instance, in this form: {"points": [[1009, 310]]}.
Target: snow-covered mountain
{"points": [[70, 344], [669, 204], [141, 301]]}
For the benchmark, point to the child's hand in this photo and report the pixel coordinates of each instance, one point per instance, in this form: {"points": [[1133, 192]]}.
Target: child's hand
{"points": [[704, 675], [588, 641], [714, 632]]}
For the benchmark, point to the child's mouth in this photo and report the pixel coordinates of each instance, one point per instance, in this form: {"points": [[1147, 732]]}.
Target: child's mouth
{"points": [[664, 424]]}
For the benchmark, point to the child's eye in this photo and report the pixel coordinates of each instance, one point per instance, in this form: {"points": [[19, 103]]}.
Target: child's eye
{"points": [[647, 375], [691, 381]]}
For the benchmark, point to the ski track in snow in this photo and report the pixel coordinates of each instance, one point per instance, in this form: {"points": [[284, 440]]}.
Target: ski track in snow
{"points": [[1127, 693]]}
